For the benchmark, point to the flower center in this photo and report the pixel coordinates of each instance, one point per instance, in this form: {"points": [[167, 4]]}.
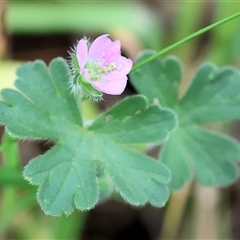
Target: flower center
{"points": [[96, 71]]}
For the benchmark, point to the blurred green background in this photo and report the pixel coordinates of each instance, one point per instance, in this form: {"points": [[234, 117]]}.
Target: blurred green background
{"points": [[32, 30]]}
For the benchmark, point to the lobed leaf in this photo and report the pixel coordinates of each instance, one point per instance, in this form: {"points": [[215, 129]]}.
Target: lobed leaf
{"points": [[43, 107], [194, 150], [213, 96], [158, 80], [132, 121], [28, 114]]}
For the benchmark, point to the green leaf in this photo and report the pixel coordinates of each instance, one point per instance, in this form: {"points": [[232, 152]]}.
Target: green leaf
{"points": [[132, 121], [43, 107], [213, 96], [40, 117], [158, 81], [211, 156]]}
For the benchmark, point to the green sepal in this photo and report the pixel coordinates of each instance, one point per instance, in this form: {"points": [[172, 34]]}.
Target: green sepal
{"points": [[74, 62], [87, 90]]}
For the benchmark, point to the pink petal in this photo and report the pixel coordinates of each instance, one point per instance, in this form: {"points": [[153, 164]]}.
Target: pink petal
{"points": [[101, 46], [114, 83], [124, 65], [111, 54], [82, 54]]}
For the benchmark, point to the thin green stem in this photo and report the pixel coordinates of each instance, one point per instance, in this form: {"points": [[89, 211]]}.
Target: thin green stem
{"points": [[186, 39]]}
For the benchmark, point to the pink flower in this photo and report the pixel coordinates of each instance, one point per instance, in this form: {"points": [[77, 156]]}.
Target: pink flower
{"points": [[102, 65]]}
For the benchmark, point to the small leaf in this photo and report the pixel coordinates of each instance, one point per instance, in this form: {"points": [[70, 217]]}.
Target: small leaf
{"points": [[203, 152], [159, 80], [213, 96], [39, 117], [132, 121], [137, 177], [42, 107]]}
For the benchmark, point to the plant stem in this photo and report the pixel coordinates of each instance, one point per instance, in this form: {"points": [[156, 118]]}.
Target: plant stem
{"points": [[175, 213], [186, 39]]}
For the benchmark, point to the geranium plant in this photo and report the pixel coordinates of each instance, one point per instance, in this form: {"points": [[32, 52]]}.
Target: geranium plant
{"points": [[90, 162]]}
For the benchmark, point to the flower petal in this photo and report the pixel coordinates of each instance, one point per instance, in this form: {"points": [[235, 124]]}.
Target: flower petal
{"points": [[111, 54], [113, 83], [102, 46], [124, 65], [82, 54]]}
